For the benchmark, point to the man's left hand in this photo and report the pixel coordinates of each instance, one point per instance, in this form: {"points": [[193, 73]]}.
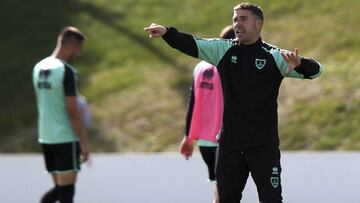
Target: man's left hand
{"points": [[292, 59]]}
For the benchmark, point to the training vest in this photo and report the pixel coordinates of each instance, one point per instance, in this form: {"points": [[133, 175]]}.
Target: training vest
{"points": [[53, 80], [208, 106]]}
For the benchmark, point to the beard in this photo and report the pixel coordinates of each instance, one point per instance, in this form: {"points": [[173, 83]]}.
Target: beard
{"points": [[72, 57]]}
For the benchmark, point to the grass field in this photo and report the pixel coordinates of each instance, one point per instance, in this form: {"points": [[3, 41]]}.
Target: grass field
{"points": [[137, 87]]}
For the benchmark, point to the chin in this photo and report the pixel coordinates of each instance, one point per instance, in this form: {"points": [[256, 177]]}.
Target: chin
{"points": [[242, 41], [72, 58], [241, 38]]}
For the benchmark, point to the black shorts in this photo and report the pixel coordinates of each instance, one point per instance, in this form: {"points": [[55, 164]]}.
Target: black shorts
{"points": [[209, 156], [62, 157]]}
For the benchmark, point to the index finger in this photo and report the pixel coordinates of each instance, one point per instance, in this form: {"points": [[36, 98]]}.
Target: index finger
{"points": [[286, 58], [296, 52]]}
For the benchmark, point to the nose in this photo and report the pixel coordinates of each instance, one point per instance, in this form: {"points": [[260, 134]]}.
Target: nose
{"points": [[236, 23]]}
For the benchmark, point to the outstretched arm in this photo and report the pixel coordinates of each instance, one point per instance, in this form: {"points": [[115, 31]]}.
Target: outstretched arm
{"points": [[210, 50], [181, 41], [292, 65], [292, 59], [155, 30]]}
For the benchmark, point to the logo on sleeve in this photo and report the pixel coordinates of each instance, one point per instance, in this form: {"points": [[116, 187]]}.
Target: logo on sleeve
{"points": [[260, 63], [234, 59], [274, 180]]}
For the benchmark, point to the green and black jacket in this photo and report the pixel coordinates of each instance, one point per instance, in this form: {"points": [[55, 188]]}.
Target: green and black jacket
{"points": [[251, 76]]}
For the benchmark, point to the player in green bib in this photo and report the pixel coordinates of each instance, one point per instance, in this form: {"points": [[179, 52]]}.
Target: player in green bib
{"points": [[61, 131]]}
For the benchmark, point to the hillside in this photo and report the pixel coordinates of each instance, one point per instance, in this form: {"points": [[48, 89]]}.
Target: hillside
{"points": [[137, 88]]}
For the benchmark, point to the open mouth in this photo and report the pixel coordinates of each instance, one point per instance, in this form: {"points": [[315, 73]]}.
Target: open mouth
{"points": [[239, 31]]}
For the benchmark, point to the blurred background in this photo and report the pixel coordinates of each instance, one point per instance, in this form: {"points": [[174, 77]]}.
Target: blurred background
{"points": [[137, 88]]}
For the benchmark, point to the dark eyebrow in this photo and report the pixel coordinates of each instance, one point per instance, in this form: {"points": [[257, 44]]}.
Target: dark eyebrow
{"points": [[240, 17]]}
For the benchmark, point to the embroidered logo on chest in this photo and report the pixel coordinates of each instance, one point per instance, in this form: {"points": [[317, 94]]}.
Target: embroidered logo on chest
{"points": [[260, 63]]}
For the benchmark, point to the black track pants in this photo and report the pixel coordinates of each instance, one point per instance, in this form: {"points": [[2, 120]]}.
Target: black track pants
{"points": [[232, 171]]}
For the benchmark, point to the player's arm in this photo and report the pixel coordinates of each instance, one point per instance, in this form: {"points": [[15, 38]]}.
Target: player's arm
{"points": [[210, 50], [309, 68], [291, 64], [190, 109], [74, 112], [186, 146]]}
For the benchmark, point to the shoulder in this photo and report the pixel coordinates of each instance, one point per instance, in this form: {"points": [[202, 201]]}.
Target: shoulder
{"points": [[215, 41], [69, 70], [269, 47], [202, 66], [68, 66], [204, 69], [50, 62]]}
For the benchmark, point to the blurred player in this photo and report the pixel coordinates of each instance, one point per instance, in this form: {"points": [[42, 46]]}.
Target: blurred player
{"points": [[61, 131]]}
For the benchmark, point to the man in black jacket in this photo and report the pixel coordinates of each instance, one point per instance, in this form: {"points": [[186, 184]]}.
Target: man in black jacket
{"points": [[251, 72]]}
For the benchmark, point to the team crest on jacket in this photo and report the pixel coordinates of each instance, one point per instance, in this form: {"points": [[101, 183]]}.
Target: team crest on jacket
{"points": [[260, 63], [274, 181]]}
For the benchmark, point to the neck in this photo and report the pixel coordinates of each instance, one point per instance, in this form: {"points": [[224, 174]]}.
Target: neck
{"points": [[249, 42], [60, 54]]}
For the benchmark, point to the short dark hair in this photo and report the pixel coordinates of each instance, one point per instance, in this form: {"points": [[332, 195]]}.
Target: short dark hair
{"points": [[227, 33], [255, 9], [71, 34]]}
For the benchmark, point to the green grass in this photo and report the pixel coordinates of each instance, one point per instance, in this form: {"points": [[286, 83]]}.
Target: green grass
{"points": [[137, 87], [329, 118]]}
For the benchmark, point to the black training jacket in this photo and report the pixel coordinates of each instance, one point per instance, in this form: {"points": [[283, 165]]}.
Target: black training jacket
{"points": [[251, 76]]}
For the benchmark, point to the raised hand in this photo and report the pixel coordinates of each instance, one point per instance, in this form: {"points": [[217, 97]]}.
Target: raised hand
{"points": [[155, 30], [292, 59]]}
